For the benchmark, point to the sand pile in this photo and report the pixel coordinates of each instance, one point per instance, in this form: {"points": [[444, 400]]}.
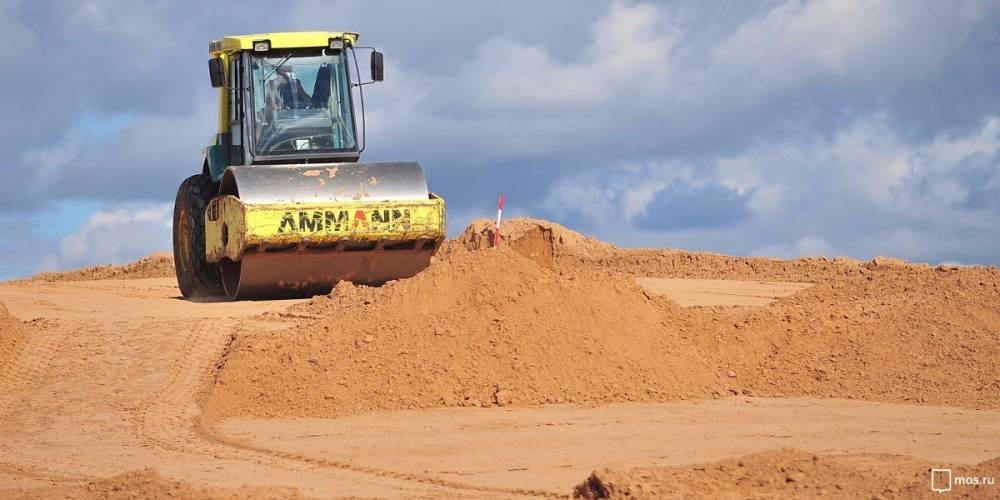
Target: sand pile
{"points": [[554, 245], [906, 334], [476, 329], [563, 321], [786, 474], [542, 241], [156, 265], [147, 484], [12, 334]]}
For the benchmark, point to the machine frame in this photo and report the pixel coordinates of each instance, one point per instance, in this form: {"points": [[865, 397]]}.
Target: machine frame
{"points": [[255, 225]]}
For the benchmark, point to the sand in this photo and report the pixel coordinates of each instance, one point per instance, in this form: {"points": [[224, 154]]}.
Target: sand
{"points": [[447, 384], [552, 448], [156, 265], [146, 484], [13, 333], [508, 326], [785, 473], [693, 292]]}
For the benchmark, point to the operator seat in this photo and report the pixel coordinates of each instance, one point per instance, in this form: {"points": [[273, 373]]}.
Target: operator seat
{"points": [[321, 90]]}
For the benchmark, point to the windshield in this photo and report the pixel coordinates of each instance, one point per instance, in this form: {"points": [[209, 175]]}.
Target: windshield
{"points": [[302, 102]]}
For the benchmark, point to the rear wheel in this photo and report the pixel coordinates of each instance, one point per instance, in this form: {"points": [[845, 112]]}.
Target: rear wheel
{"points": [[195, 276]]}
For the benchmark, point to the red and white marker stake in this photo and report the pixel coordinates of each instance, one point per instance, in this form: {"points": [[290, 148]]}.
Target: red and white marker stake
{"points": [[496, 230]]}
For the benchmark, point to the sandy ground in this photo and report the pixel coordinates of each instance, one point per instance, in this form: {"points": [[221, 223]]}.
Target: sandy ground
{"points": [[118, 388], [111, 384], [551, 448], [688, 292]]}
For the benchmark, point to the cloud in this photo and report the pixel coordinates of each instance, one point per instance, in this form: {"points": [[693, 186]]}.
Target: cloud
{"points": [[959, 171], [116, 234], [97, 227], [658, 198], [625, 48], [644, 80], [684, 206], [73, 234], [854, 127], [862, 192]]}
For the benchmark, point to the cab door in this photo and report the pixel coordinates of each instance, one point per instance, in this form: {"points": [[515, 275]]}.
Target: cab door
{"points": [[236, 112]]}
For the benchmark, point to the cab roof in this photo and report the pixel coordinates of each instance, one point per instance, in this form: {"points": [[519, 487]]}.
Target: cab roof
{"points": [[283, 40]]}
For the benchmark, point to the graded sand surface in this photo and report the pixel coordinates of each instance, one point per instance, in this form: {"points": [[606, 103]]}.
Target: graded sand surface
{"points": [[688, 292], [551, 448], [538, 369]]}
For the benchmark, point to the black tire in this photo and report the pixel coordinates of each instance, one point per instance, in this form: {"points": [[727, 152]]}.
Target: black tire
{"points": [[195, 276]]}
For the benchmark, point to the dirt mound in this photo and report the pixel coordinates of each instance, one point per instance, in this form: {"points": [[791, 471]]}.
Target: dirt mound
{"points": [[563, 321], [903, 333], [539, 240], [557, 246], [477, 329], [147, 484], [12, 334], [683, 264], [785, 474], [156, 265]]}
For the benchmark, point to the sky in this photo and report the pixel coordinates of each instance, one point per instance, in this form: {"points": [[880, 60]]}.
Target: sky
{"points": [[780, 128]]}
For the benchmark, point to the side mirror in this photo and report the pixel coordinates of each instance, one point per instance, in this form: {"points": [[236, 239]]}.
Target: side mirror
{"points": [[216, 72], [378, 69]]}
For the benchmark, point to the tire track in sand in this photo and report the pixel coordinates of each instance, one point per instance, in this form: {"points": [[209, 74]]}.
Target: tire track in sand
{"points": [[165, 418], [170, 419], [44, 474], [30, 366], [209, 433], [27, 373]]}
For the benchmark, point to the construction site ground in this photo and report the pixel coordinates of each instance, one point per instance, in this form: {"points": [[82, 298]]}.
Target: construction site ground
{"points": [[555, 365]]}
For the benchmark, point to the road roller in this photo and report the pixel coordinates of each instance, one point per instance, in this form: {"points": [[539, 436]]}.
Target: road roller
{"points": [[284, 206]]}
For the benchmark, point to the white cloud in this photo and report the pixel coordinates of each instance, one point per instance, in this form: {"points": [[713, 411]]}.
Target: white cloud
{"points": [[861, 192], [117, 234], [644, 83], [837, 125], [866, 162], [627, 47], [854, 41], [610, 198]]}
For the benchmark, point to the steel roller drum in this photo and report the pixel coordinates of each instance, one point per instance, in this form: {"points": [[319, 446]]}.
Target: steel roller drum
{"points": [[307, 269], [332, 182]]}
